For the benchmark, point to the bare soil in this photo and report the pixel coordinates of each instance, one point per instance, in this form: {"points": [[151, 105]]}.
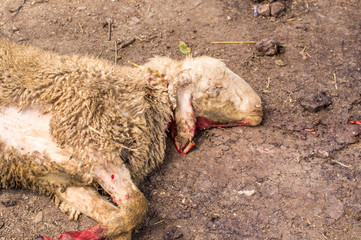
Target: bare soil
{"points": [[297, 176]]}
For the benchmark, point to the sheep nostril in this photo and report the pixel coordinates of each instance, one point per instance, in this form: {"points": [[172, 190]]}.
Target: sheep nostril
{"points": [[257, 112]]}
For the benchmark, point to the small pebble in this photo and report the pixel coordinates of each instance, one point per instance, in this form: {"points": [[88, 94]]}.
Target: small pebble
{"points": [[323, 153], [335, 208], [264, 10], [281, 63], [134, 20], [8, 203], [82, 8], [248, 193], [277, 8], [38, 218], [316, 102], [267, 47]]}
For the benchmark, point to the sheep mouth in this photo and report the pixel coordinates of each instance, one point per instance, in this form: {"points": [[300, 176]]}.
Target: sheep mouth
{"points": [[204, 123]]}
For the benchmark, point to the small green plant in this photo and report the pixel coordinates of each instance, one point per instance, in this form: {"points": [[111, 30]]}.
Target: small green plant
{"points": [[183, 47]]}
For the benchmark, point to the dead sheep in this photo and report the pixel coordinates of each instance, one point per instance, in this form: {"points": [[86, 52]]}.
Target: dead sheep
{"points": [[70, 124]]}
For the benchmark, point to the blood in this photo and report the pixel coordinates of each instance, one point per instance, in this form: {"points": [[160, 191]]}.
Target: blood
{"points": [[119, 200], [355, 122], [265, 149], [112, 176], [204, 123], [201, 124], [96, 233], [126, 197], [183, 150], [309, 130]]}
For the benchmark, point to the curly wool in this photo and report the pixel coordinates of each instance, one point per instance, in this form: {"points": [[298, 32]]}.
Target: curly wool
{"points": [[102, 112]]}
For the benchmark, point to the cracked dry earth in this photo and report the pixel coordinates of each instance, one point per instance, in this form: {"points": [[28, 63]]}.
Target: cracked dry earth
{"points": [[297, 176]]}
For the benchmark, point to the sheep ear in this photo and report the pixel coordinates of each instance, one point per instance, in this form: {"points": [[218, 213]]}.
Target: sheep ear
{"points": [[184, 128]]}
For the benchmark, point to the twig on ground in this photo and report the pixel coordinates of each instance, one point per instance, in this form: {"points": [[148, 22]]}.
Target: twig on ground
{"points": [[335, 79], [22, 40], [159, 222], [101, 52], [340, 163], [304, 54], [268, 82], [235, 42], [140, 39], [126, 43], [6, 35], [81, 28], [18, 8], [109, 22], [134, 64], [145, 39], [116, 52]]}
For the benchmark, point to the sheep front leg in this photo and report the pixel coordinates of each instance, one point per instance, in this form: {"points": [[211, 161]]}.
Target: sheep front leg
{"points": [[115, 222], [117, 182]]}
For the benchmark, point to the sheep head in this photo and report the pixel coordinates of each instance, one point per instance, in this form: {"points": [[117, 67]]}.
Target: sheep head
{"points": [[208, 94]]}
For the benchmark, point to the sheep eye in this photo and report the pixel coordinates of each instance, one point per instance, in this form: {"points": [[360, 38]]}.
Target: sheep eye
{"points": [[214, 90]]}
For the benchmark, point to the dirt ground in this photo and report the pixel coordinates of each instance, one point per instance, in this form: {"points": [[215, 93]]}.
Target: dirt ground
{"points": [[297, 176]]}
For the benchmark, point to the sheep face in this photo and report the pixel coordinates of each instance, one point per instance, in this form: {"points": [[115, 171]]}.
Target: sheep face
{"points": [[211, 95], [223, 98]]}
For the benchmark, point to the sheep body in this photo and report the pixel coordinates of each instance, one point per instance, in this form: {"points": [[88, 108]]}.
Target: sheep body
{"points": [[78, 91], [70, 124]]}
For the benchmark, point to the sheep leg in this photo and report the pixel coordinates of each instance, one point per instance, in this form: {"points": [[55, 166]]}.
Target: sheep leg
{"points": [[113, 220], [116, 181], [116, 222], [89, 202], [94, 233]]}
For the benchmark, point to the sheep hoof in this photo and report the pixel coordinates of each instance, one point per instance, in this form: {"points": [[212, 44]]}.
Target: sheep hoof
{"points": [[95, 233]]}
